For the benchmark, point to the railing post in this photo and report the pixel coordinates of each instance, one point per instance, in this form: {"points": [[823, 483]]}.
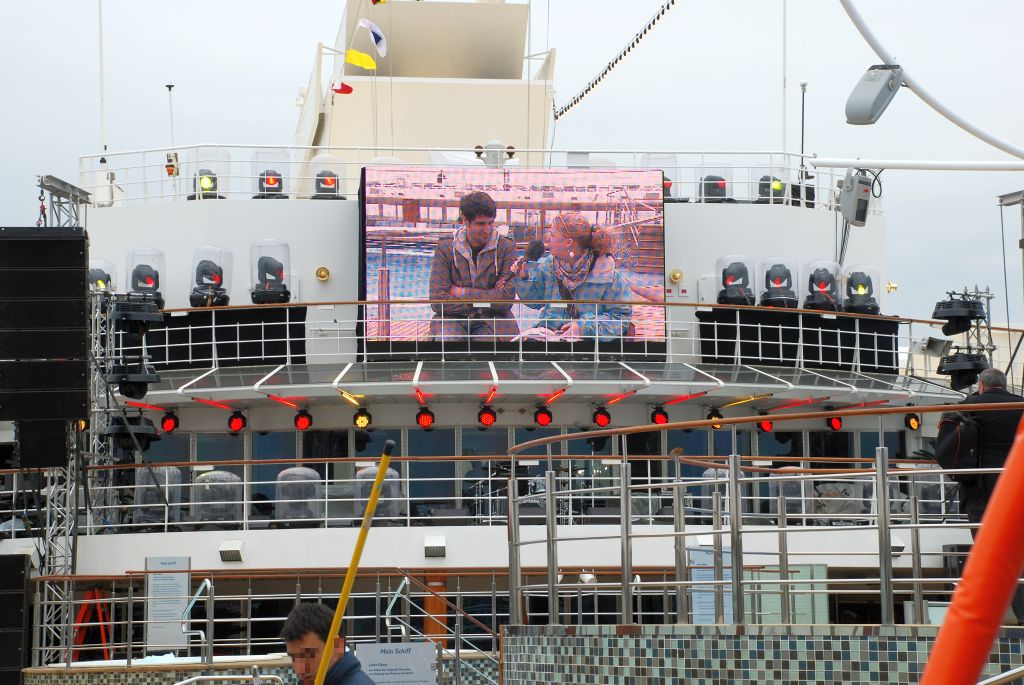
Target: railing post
{"points": [[552, 544], [915, 560], [716, 524], [736, 534], [129, 637], [784, 559], [682, 570], [494, 612], [515, 616], [884, 538], [208, 658], [458, 632], [626, 535]]}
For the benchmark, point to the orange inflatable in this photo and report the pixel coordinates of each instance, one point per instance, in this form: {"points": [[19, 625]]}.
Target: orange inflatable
{"points": [[990, 576]]}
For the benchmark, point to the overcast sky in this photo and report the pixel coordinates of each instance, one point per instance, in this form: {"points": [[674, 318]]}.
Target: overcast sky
{"points": [[708, 78]]}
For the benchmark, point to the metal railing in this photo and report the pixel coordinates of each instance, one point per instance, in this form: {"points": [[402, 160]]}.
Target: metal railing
{"points": [[205, 637], [146, 176]]}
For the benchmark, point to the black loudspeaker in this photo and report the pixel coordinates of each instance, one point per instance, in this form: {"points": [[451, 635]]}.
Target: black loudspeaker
{"points": [[41, 444], [15, 617], [44, 324]]}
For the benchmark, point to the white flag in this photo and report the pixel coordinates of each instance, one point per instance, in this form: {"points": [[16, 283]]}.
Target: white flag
{"points": [[377, 35]]}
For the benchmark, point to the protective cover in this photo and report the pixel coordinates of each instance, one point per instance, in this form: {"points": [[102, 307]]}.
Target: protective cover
{"points": [[327, 174], [675, 187], [271, 169], [210, 171], [217, 498], [822, 286], [149, 509], [390, 495], [859, 283], [102, 275], [768, 185], [211, 276], [715, 182], [299, 497], [269, 261], [736, 278], [143, 269], [780, 279]]}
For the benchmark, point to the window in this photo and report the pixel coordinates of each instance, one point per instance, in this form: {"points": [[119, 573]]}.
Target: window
{"points": [[263, 477], [431, 483], [692, 443]]}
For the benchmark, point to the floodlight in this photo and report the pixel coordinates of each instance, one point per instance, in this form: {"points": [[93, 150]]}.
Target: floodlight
{"points": [[873, 93]]}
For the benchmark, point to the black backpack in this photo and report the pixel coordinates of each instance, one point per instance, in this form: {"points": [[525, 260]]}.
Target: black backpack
{"points": [[959, 444]]}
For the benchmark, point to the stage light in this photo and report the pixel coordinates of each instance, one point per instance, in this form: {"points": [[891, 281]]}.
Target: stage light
{"points": [[834, 423], [121, 432], [425, 418], [303, 419], [735, 282], [327, 186], [362, 419], [204, 186], [601, 417], [765, 425], [959, 313], [912, 421], [659, 416], [860, 293], [962, 368], [236, 422], [270, 186], [543, 416], [486, 416], [715, 414], [169, 422], [133, 377]]}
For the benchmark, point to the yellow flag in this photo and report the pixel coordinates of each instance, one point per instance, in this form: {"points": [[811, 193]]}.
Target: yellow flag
{"points": [[360, 59]]}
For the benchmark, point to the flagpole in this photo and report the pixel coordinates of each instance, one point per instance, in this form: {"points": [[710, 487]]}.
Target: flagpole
{"points": [[103, 101]]}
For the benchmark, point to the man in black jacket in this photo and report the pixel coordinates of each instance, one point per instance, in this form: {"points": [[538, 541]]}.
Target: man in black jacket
{"points": [[998, 430], [305, 634]]}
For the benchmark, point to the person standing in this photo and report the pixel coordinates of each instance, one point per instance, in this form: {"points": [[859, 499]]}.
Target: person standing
{"points": [[305, 634], [998, 429], [468, 265]]}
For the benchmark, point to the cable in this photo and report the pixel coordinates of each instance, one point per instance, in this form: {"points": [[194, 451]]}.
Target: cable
{"points": [[874, 180], [561, 111]]}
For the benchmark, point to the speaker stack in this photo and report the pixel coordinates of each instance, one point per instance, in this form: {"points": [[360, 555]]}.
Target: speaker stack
{"points": [[44, 332], [15, 617]]}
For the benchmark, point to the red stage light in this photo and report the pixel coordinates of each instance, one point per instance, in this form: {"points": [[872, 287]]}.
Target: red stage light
{"points": [[659, 416], [236, 422], [602, 418], [543, 416], [487, 417], [303, 420], [765, 425], [169, 422], [834, 423], [425, 418], [721, 184], [329, 181]]}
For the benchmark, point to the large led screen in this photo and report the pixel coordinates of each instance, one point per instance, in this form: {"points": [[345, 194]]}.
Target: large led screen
{"points": [[507, 255]]}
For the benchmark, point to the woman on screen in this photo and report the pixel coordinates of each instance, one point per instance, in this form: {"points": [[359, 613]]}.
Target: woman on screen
{"points": [[580, 267]]}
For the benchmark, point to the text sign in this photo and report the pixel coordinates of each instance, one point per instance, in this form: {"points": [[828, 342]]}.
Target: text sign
{"points": [[399, 663], [167, 590]]}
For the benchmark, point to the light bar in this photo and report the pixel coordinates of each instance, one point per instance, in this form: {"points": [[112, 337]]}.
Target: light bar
{"points": [[420, 397], [554, 396], [751, 398], [285, 401], [685, 398], [349, 397], [491, 394], [143, 405], [873, 403], [211, 403], [800, 403], [619, 398]]}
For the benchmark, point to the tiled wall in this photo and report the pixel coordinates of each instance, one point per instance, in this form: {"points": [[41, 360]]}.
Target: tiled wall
{"points": [[709, 655]]}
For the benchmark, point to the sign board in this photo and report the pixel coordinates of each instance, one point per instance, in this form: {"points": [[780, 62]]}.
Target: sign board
{"points": [[399, 663], [702, 597], [167, 595]]}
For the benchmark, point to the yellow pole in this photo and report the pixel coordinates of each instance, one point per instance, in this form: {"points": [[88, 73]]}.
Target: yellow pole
{"points": [[353, 567]]}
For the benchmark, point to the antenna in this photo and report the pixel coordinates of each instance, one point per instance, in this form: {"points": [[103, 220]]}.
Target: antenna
{"points": [[103, 113], [170, 106]]}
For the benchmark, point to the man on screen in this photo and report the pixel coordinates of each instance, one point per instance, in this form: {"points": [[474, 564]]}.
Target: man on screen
{"points": [[469, 265]]}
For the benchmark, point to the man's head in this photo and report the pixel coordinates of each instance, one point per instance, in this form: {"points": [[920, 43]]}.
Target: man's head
{"points": [[305, 634], [478, 211], [990, 379]]}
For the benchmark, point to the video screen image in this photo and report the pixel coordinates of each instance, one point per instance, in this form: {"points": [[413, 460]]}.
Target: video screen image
{"points": [[533, 254]]}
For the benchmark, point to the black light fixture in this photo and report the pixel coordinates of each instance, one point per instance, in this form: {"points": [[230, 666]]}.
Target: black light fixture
{"points": [[133, 377], [770, 190], [134, 313], [713, 415], [959, 313], [765, 425], [209, 288], [270, 287], [121, 431], [362, 419], [822, 293], [542, 416], [327, 185], [425, 418], [834, 423], [912, 421], [778, 288], [237, 422], [145, 280], [659, 416], [860, 294], [601, 417], [303, 420], [271, 186], [714, 189], [100, 280], [169, 422], [962, 368], [204, 186], [486, 417], [736, 285]]}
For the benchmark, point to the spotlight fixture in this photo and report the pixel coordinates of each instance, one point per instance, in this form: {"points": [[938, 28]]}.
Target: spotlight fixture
{"points": [[912, 421], [121, 432], [834, 423], [715, 414], [765, 425], [236, 422], [425, 418], [543, 416], [362, 419], [962, 368], [303, 419], [133, 377], [958, 312], [659, 416], [486, 416], [601, 417], [873, 93], [169, 422]]}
